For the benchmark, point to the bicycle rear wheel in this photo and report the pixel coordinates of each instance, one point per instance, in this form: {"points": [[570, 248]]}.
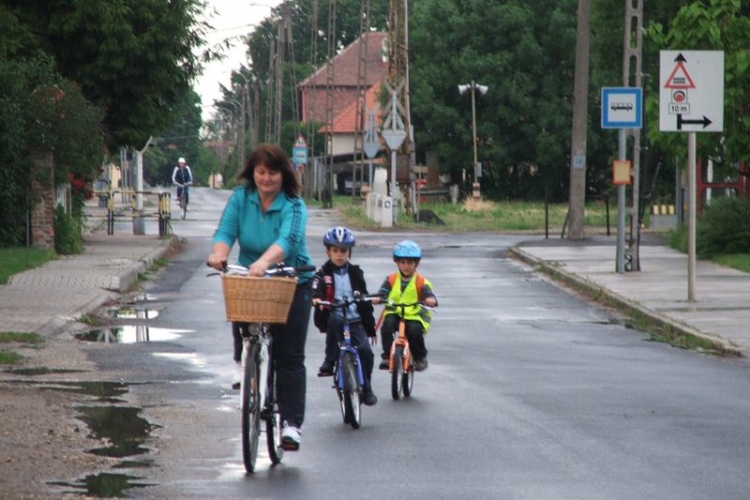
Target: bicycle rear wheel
{"points": [[352, 391], [250, 406], [397, 375], [273, 421]]}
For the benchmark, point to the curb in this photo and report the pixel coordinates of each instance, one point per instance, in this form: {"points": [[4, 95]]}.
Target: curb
{"points": [[129, 276], [625, 305], [59, 322]]}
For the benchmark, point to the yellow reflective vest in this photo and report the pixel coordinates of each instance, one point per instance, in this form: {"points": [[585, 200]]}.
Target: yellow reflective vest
{"points": [[408, 296]]}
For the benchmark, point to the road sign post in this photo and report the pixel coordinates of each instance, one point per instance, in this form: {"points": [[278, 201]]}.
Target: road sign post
{"points": [[622, 108], [299, 152], [691, 99]]}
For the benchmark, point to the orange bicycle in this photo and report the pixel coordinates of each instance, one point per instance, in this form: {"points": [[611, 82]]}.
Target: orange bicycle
{"points": [[401, 363]]}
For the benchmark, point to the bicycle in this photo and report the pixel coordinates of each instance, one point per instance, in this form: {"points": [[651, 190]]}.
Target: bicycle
{"points": [[184, 198], [401, 363], [247, 302], [348, 376]]}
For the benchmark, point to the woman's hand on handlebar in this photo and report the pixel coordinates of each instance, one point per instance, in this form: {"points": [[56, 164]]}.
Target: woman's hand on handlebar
{"points": [[217, 261], [430, 301]]}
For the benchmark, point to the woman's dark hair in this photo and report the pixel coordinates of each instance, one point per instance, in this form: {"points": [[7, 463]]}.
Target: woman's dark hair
{"points": [[274, 158]]}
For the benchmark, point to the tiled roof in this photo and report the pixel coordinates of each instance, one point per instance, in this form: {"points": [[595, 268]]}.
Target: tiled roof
{"points": [[346, 64], [345, 121]]}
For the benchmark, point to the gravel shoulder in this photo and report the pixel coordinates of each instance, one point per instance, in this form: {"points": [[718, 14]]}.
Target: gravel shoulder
{"points": [[42, 440]]}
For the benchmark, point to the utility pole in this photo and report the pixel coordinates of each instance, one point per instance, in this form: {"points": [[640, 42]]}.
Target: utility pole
{"points": [[577, 197], [398, 85]]}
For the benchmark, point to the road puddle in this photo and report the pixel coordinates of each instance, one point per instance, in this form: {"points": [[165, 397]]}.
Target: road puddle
{"points": [[123, 431], [130, 334], [104, 485]]}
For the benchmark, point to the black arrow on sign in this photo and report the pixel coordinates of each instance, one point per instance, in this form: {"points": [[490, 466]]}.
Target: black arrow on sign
{"points": [[705, 122]]}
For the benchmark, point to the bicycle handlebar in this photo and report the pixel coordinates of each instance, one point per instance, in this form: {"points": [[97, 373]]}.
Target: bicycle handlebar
{"points": [[404, 305], [346, 301], [277, 269]]}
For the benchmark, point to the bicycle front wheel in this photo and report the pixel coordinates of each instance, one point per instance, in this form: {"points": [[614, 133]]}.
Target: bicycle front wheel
{"points": [[352, 401], [407, 380], [273, 421], [250, 406], [397, 375], [183, 206]]}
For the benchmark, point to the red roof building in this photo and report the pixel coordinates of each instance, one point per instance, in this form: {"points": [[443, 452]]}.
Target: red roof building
{"points": [[314, 91]]}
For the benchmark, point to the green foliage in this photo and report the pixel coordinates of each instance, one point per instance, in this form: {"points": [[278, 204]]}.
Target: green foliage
{"points": [[133, 59], [526, 57], [712, 25], [15, 169], [723, 228], [68, 233], [678, 239], [181, 139], [18, 259], [740, 262]]}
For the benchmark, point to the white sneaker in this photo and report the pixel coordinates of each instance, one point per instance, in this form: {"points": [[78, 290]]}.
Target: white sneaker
{"points": [[290, 437], [237, 378]]}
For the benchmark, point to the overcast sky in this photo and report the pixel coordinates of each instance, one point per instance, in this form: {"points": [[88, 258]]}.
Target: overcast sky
{"points": [[234, 19]]}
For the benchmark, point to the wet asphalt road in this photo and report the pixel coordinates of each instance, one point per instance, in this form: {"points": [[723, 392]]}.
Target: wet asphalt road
{"points": [[531, 393]]}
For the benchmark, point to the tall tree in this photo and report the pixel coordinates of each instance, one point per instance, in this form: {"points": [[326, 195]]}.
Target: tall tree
{"points": [[133, 58], [713, 25], [525, 57]]}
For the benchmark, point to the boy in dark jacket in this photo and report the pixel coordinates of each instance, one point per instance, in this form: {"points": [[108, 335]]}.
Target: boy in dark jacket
{"points": [[336, 279]]}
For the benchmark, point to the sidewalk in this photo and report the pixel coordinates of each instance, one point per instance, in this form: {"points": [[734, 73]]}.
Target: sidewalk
{"points": [[659, 292], [43, 300]]}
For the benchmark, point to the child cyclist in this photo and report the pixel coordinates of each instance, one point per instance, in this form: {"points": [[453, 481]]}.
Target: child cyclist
{"points": [[407, 286], [336, 279]]}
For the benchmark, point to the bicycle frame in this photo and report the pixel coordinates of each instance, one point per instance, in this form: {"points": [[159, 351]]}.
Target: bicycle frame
{"points": [[345, 345], [257, 393], [350, 409], [401, 363], [257, 386]]}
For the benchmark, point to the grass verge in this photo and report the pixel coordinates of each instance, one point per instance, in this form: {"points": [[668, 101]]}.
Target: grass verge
{"points": [[480, 216], [8, 357], [18, 259]]}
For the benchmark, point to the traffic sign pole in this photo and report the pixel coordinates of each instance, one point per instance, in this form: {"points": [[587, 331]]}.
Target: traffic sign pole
{"points": [[691, 99]]}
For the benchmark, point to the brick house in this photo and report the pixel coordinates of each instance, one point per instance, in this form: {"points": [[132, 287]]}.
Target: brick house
{"points": [[313, 90]]}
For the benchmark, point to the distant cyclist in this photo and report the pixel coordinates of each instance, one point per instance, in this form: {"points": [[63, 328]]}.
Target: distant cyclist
{"points": [[182, 177]]}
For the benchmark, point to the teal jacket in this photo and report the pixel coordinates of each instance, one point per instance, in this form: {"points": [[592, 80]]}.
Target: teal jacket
{"points": [[284, 224]]}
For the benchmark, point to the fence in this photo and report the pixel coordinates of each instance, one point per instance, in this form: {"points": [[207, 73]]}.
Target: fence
{"points": [[163, 209]]}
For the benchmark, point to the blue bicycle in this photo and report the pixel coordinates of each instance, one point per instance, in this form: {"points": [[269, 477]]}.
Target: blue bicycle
{"points": [[348, 377]]}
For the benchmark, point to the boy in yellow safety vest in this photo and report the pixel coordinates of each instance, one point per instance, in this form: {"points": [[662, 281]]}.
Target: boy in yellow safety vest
{"points": [[407, 286]]}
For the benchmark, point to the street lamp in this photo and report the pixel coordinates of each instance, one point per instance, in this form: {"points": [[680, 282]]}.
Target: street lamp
{"points": [[473, 86]]}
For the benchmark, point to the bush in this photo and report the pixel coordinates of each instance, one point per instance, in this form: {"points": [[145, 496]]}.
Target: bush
{"points": [[724, 228], [68, 233]]}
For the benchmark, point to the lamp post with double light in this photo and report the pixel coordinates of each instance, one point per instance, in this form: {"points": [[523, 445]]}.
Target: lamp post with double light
{"points": [[473, 87]]}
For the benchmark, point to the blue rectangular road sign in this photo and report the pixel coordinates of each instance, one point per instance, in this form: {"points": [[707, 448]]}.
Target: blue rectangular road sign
{"points": [[622, 107]]}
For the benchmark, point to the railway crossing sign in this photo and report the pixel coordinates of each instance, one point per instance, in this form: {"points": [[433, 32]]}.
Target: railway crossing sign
{"points": [[691, 91], [299, 152]]}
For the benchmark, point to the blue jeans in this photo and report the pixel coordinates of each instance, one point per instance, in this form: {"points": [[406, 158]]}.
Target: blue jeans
{"points": [[289, 356]]}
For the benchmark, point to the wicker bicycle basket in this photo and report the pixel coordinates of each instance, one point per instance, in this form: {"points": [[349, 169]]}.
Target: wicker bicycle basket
{"points": [[258, 300]]}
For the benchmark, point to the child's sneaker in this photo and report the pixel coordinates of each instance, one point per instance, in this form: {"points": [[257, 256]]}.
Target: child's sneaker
{"points": [[326, 369], [385, 365], [420, 364]]}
